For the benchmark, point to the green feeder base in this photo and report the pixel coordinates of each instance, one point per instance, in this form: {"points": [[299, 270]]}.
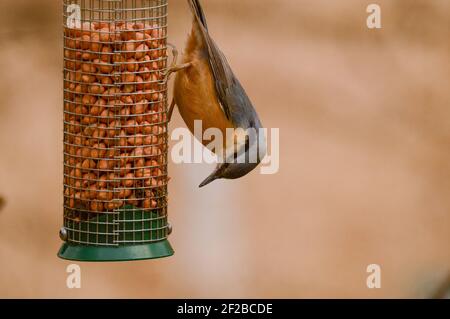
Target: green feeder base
{"points": [[156, 247], [154, 250]]}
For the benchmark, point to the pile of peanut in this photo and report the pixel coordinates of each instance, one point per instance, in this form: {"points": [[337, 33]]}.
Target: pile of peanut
{"points": [[115, 124]]}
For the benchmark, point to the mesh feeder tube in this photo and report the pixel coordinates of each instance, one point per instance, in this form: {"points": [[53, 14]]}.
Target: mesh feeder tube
{"points": [[115, 130]]}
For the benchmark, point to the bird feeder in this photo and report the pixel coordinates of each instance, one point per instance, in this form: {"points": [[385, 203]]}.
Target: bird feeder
{"points": [[115, 130]]}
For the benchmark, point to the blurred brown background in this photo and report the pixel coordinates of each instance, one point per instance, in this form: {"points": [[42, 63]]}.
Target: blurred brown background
{"points": [[364, 118]]}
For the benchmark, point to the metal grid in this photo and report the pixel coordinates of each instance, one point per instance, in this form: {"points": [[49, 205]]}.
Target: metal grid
{"points": [[115, 121]]}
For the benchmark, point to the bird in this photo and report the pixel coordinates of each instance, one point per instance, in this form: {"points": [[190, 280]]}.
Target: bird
{"points": [[206, 89]]}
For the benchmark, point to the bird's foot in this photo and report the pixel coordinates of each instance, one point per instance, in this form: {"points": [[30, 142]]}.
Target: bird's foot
{"points": [[174, 67], [174, 54]]}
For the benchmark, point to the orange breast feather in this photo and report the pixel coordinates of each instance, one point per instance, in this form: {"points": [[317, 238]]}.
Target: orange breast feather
{"points": [[196, 97]]}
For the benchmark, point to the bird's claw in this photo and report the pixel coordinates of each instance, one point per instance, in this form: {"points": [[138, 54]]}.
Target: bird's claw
{"points": [[174, 67]]}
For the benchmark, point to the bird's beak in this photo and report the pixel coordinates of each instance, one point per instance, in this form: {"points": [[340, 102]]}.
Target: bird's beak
{"points": [[211, 178]]}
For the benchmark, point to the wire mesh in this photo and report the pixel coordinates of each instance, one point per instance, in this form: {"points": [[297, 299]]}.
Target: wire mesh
{"points": [[115, 121]]}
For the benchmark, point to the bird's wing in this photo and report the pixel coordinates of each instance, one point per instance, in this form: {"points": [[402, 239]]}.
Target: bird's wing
{"points": [[223, 76]]}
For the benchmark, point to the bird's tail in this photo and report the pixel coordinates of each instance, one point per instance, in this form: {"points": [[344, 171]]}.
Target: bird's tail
{"points": [[197, 10]]}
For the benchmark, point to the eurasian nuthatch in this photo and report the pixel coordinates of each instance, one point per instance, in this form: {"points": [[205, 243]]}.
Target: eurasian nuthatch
{"points": [[206, 89]]}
